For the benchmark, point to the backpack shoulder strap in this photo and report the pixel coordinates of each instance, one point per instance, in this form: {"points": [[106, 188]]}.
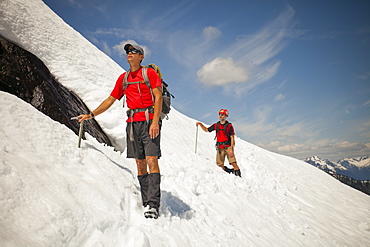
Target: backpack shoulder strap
{"points": [[157, 70], [228, 126], [144, 70], [124, 82], [217, 126]]}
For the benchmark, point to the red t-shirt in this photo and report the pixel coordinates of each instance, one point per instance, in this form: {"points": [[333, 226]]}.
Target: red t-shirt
{"points": [[138, 95]]}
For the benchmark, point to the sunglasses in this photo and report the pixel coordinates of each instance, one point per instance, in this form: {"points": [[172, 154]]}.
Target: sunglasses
{"points": [[133, 51]]}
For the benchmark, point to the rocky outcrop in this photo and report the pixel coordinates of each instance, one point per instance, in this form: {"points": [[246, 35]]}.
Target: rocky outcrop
{"points": [[27, 77]]}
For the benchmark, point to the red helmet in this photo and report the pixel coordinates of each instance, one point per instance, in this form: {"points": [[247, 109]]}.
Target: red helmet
{"points": [[224, 111]]}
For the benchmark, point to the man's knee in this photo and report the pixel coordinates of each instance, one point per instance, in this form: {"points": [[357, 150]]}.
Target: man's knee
{"points": [[141, 166], [152, 162]]}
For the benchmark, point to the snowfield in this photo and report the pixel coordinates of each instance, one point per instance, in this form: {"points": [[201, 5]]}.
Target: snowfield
{"points": [[55, 194]]}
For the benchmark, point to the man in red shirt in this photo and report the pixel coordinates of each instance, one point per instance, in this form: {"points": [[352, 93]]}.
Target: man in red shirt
{"points": [[143, 124], [225, 136]]}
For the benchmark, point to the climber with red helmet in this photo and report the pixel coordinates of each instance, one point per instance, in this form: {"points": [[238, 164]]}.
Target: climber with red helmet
{"points": [[225, 137]]}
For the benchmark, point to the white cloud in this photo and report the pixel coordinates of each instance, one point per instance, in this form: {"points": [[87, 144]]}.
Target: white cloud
{"points": [[222, 71], [211, 33]]}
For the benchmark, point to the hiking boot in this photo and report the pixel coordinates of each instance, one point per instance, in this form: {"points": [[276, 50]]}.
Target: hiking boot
{"points": [[237, 173], [151, 213], [228, 170]]}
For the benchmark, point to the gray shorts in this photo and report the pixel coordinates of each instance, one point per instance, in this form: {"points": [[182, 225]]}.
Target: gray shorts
{"points": [[142, 145]]}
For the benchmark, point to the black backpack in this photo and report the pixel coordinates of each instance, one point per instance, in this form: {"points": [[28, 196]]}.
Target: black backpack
{"points": [[166, 95], [226, 129]]}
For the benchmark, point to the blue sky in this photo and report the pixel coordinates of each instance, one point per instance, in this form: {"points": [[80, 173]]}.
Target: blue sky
{"points": [[294, 75]]}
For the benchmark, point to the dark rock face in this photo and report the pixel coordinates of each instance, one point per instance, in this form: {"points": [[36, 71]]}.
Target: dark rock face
{"points": [[27, 77]]}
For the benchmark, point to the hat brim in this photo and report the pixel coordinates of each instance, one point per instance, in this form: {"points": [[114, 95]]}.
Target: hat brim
{"points": [[127, 47]]}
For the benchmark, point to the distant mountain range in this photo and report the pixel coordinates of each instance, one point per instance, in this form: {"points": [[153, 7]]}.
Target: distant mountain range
{"points": [[357, 168], [354, 172]]}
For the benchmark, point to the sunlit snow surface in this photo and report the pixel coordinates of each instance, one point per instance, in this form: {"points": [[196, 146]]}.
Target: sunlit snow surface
{"points": [[54, 194]]}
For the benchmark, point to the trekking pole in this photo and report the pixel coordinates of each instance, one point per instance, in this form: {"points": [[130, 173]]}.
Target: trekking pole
{"points": [[79, 131], [196, 140]]}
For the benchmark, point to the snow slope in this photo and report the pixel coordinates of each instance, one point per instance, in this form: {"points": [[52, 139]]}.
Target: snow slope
{"points": [[54, 194]]}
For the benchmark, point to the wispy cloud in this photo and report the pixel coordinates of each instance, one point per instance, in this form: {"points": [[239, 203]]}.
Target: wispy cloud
{"points": [[364, 76], [259, 126], [139, 34], [279, 97], [106, 49], [364, 129], [310, 35], [75, 3], [300, 139], [333, 150], [248, 60]]}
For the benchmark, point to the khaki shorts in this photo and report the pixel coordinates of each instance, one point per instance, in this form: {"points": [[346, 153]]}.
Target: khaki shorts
{"points": [[220, 157]]}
